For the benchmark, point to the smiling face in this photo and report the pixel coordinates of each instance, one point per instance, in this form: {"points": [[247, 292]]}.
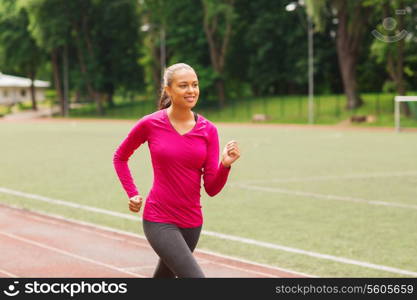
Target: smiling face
{"points": [[183, 90]]}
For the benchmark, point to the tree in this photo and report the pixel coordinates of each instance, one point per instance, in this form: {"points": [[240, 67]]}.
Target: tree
{"points": [[271, 48], [154, 26], [49, 28], [20, 53], [100, 37], [390, 50], [351, 17], [107, 46], [185, 41], [219, 17], [114, 41]]}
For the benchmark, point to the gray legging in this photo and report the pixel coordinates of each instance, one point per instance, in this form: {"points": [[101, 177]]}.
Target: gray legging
{"points": [[174, 246]]}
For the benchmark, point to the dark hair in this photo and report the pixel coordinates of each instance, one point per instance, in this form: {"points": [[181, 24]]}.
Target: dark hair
{"points": [[165, 100]]}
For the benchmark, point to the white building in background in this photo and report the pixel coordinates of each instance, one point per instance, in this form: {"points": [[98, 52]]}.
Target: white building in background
{"points": [[15, 89]]}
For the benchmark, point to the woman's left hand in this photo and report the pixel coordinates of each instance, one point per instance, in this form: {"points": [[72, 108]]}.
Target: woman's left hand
{"points": [[230, 153]]}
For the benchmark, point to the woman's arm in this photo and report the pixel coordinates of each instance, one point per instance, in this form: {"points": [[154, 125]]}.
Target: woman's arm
{"points": [[137, 136], [215, 174]]}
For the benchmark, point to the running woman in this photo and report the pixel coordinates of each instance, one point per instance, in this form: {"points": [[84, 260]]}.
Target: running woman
{"points": [[184, 147]]}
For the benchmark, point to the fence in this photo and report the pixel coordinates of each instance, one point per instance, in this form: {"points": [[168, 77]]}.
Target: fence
{"points": [[280, 109], [294, 108]]}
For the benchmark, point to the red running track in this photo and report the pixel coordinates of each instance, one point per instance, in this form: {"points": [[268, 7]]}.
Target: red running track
{"points": [[37, 245]]}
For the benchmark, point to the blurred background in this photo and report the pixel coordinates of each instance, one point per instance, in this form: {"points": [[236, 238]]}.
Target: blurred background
{"points": [[317, 61]]}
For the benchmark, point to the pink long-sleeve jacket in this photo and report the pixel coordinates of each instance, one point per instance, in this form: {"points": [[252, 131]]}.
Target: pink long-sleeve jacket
{"points": [[179, 162]]}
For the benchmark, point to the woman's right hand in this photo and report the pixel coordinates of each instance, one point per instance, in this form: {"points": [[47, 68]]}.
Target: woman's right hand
{"points": [[135, 203]]}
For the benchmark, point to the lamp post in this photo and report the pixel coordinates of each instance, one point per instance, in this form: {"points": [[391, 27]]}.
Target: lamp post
{"points": [[291, 7], [162, 48]]}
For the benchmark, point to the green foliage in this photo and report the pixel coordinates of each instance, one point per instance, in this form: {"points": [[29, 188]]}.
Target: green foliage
{"points": [[222, 11], [101, 35], [389, 87], [19, 52], [267, 52], [270, 48], [318, 11], [48, 21], [380, 51]]}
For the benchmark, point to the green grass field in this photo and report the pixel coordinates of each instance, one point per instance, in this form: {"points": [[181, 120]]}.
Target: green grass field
{"points": [[344, 194]]}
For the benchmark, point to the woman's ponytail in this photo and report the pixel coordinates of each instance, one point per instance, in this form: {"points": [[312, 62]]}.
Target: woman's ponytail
{"points": [[164, 100]]}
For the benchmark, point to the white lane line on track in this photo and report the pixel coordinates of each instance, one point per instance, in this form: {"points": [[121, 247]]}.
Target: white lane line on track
{"points": [[331, 177], [246, 271], [255, 263], [68, 204], [228, 237], [316, 255], [107, 236], [8, 273], [93, 261], [145, 243], [324, 196]]}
